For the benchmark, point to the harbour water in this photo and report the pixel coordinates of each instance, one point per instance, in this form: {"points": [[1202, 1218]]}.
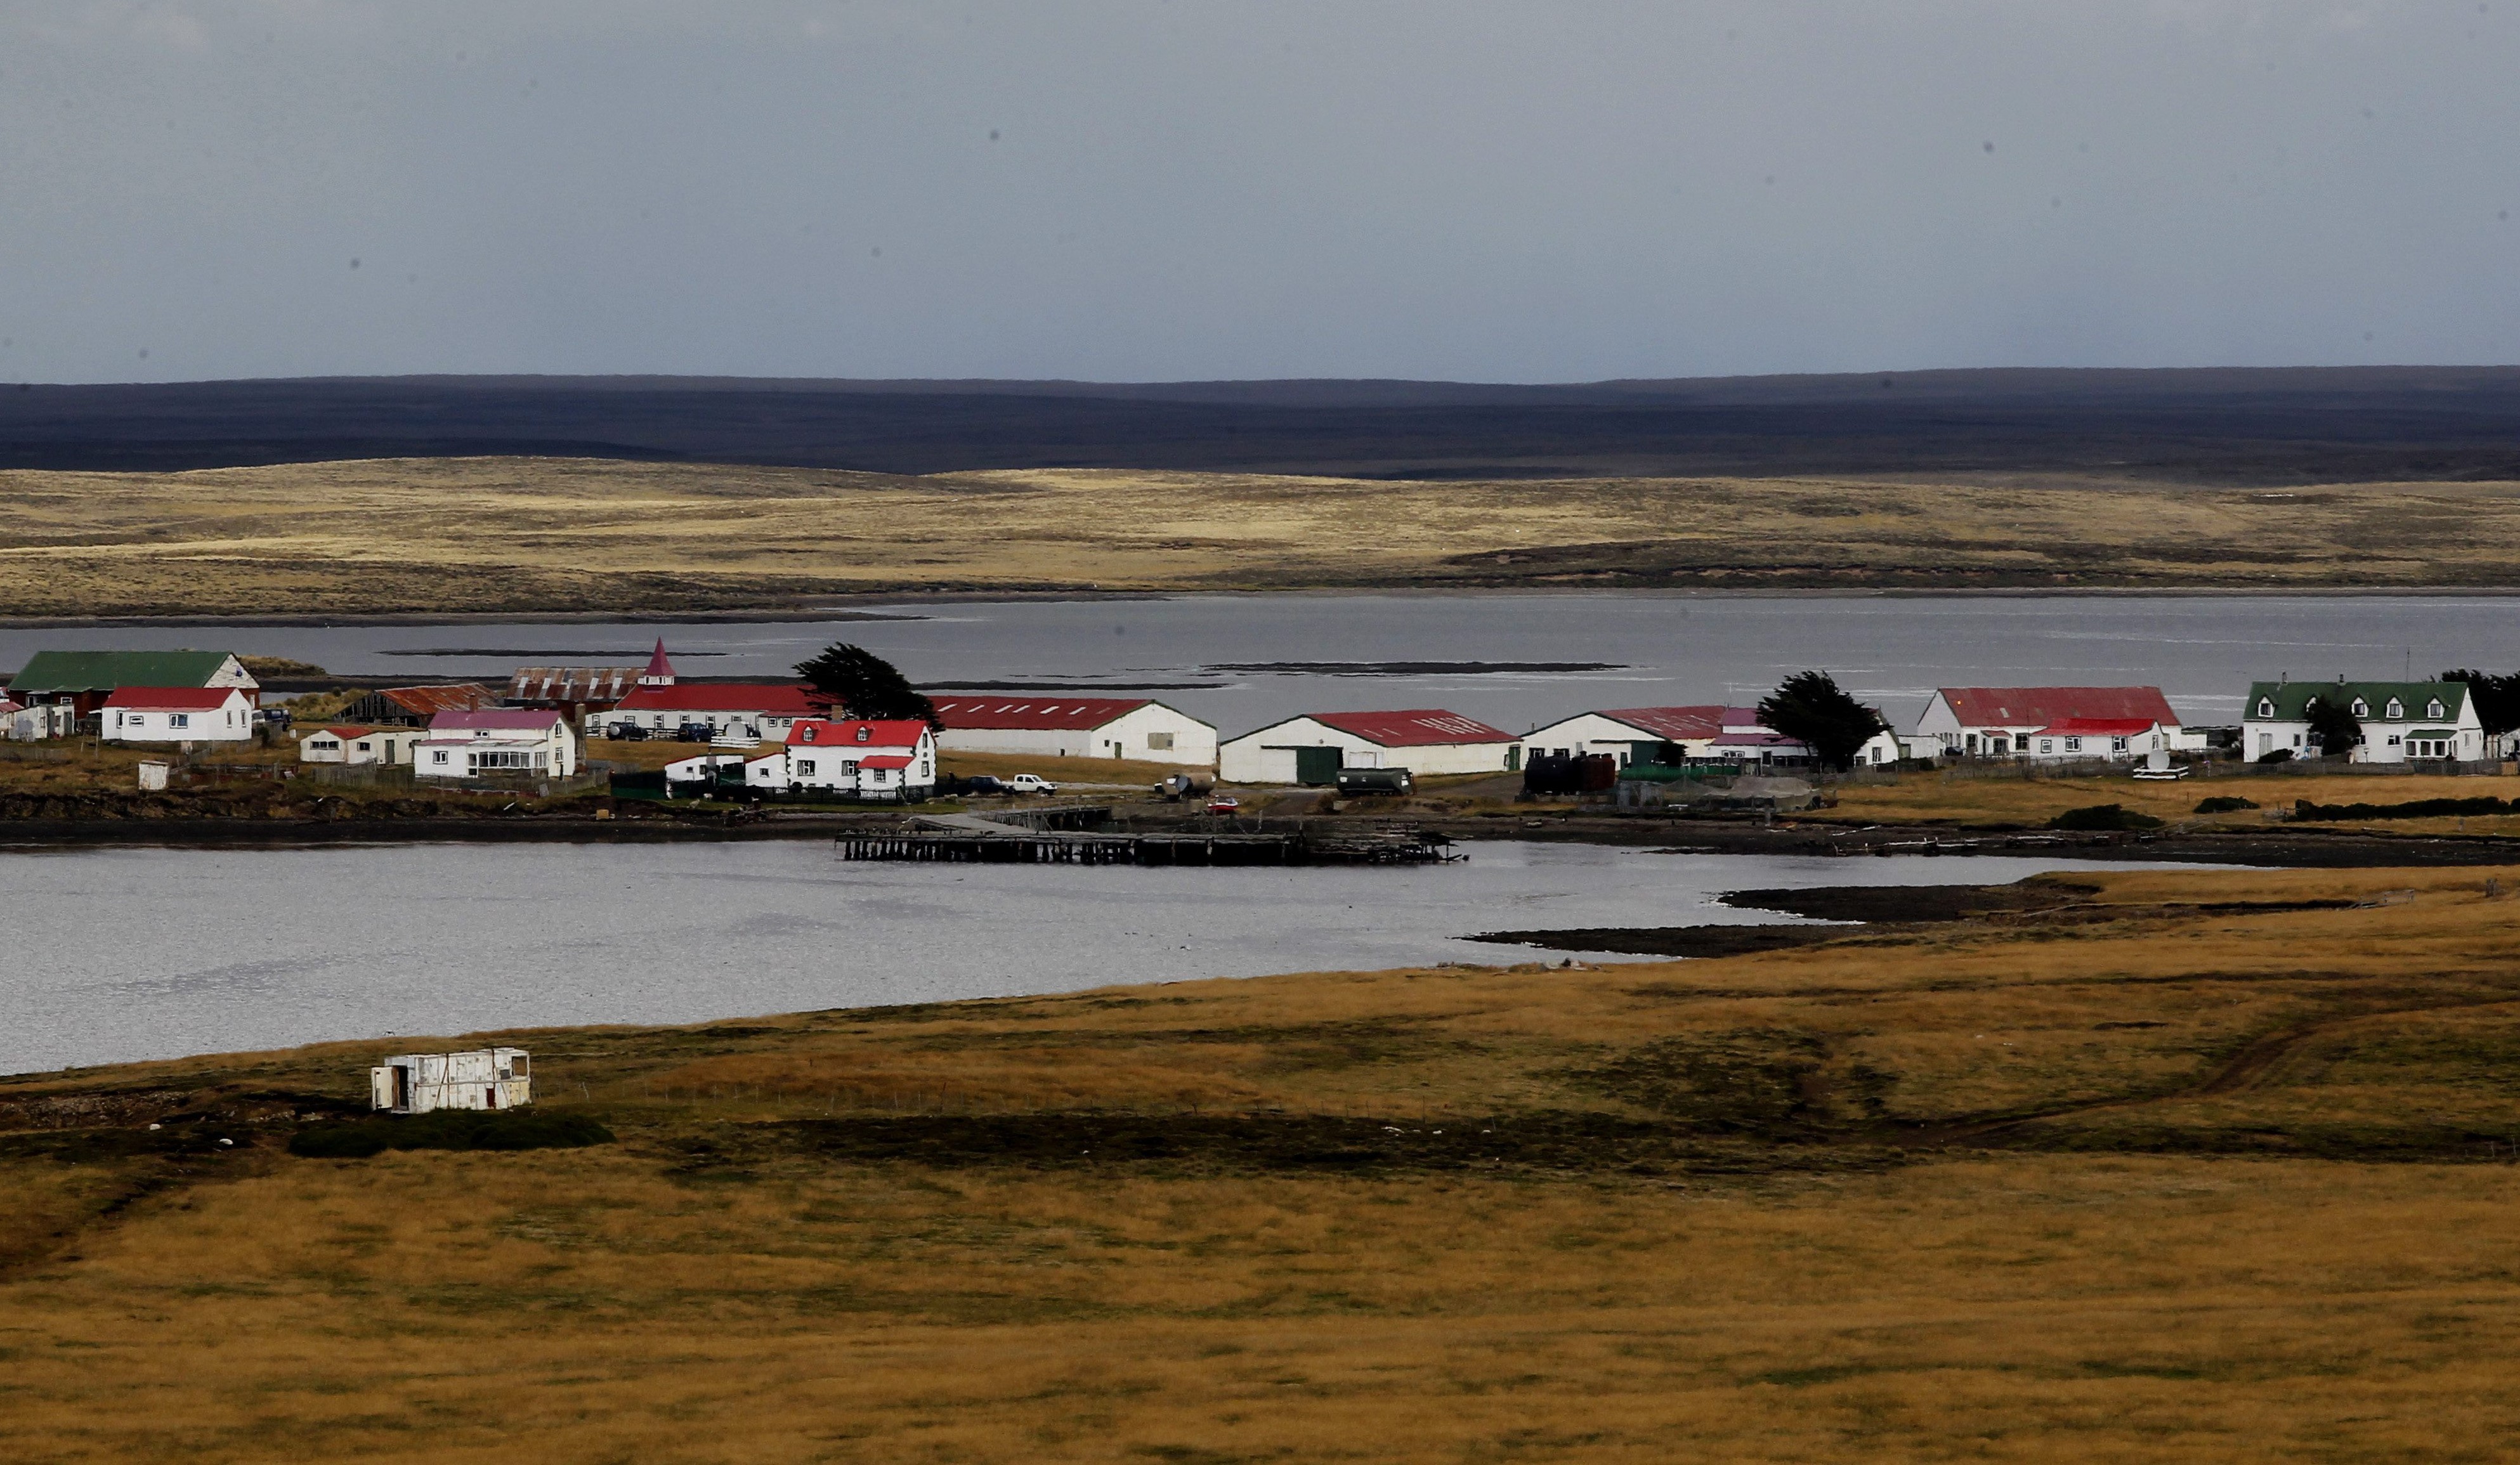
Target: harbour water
{"points": [[1512, 659], [131, 953]]}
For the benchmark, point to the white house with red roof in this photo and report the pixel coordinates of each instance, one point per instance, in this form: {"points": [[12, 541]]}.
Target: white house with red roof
{"points": [[385, 746], [496, 742], [2070, 722], [761, 711], [179, 714], [1313, 748], [889, 759], [1063, 726], [1631, 734]]}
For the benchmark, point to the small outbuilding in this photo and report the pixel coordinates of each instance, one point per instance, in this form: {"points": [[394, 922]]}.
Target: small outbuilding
{"points": [[1138, 728], [1313, 748], [387, 746], [490, 1078]]}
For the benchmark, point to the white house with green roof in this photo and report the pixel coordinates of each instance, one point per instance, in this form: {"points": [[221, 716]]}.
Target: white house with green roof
{"points": [[86, 679], [2401, 721]]}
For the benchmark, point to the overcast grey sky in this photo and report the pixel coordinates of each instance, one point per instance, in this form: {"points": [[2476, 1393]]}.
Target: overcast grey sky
{"points": [[1114, 189]]}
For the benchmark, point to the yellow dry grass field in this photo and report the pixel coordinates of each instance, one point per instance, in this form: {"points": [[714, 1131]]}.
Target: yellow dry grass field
{"points": [[1958, 797], [510, 535], [2200, 1166]]}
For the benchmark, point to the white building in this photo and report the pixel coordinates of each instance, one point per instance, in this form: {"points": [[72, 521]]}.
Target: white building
{"points": [[865, 760], [44, 720], [2109, 739], [497, 742], [2005, 722], [1631, 734], [1311, 749], [490, 1078], [355, 746], [179, 714], [753, 711], [1137, 727], [2400, 720]]}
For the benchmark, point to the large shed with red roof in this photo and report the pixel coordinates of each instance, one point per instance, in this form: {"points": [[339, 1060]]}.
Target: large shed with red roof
{"points": [[2010, 722], [1313, 748], [1065, 727], [1631, 734]]}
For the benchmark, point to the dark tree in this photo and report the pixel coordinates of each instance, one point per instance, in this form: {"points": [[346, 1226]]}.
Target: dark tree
{"points": [[2332, 724], [2497, 698], [862, 683], [1808, 708]]}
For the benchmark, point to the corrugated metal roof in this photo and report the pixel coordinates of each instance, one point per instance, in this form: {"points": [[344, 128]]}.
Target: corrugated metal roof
{"points": [[495, 720], [1674, 724], [1414, 727], [899, 734], [427, 701], [102, 670], [1035, 714], [571, 683], [2041, 706], [175, 698], [775, 698]]}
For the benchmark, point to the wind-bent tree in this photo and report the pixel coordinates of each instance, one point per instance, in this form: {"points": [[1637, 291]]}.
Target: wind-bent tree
{"points": [[2497, 698], [2332, 724], [1808, 708], [862, 683]]}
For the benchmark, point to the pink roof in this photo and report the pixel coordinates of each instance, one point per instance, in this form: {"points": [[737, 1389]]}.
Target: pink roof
{"points": [[1034, 713], [495, 720], [885, 760], [657, 665], [9, 707], [2100, 727], [772, 698], [1420, 727], [2044, 706], [1674, 724], [173, 699], [902, 733]]}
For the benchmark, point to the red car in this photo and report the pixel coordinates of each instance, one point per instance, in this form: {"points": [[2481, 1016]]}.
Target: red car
{"points": [[1223, 805]]}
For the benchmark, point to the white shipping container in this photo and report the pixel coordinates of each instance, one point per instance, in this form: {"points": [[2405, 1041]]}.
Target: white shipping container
{"points": [[492, 1077]]}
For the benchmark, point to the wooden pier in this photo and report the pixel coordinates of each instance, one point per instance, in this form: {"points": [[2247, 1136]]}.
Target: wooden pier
{"points": [[1018, 847]]}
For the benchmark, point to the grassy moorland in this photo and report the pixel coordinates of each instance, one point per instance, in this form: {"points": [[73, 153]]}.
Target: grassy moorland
{"points": [[2190, 1167], [454, 536]]}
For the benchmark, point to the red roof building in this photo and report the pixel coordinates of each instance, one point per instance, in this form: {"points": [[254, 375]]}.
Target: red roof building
{"points": [[1034, 713], [172, 698], [1311, 749], [1417, 728], [1999, 721], [1065, 727], [902, 732], [763, 711]]}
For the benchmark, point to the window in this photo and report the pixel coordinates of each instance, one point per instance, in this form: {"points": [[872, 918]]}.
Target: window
{"points": [[438, 756], [2434, 708], [848, 768], [2116, 744], [2361, 708], [2265, 707], [2397, 709], [2072, 746], [804, 768], [179, 719], [2393, 739], [878, 776], [2048, 744], [1160, 743]]}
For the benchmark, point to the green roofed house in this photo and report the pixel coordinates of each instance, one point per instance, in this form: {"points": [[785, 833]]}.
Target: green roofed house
{"points": [[85, 679], [2401, 721]]}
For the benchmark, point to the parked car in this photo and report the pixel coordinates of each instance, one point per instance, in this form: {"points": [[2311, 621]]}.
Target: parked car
{"points": [[1030, 783], [982, 783], [627, 733], [1176, 787], [1224, 804], [693, 733]]}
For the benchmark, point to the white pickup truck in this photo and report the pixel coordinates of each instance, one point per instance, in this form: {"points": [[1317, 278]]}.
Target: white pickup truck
{"points": [[1030, 783]]}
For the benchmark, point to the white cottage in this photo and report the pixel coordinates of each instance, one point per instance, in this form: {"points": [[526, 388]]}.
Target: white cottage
{"points": [[1631, 734], [387, 746], [2008, 722], [2401, 721], [179, 714], [496, 742], [490, 1078], [1311, 749], [895, 760], [1138, 728]]}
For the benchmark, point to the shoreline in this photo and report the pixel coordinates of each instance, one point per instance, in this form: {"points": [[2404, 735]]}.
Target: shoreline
{"points": [[848, 608]]}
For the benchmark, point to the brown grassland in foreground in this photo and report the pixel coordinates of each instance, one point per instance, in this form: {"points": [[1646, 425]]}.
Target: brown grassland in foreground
{"points": [[521, 535], [2131, 1179]]}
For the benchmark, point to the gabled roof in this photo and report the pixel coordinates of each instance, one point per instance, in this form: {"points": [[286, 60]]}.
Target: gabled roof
{"points": [[102, 670], [2292, 698], [1035, 714], [903, 732], [495, 720], [773, 699], [2043, 706], [1416, 728], [2098, 727], [571, 683], [429, 702], [344, 732], [175, 698], [1755, 738], [1671, 723]]}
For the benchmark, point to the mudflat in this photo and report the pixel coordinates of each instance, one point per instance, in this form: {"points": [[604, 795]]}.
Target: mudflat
{"points": [[527, 535], [2221, 1169]]}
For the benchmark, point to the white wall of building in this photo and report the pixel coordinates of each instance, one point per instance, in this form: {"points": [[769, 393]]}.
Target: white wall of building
{"points": [[1591, 733], [232, 722], [1268, 754], [1151, 733], [840, 768]]}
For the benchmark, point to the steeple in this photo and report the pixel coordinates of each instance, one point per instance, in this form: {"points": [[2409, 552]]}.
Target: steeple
{"points": [[660, 672]]}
